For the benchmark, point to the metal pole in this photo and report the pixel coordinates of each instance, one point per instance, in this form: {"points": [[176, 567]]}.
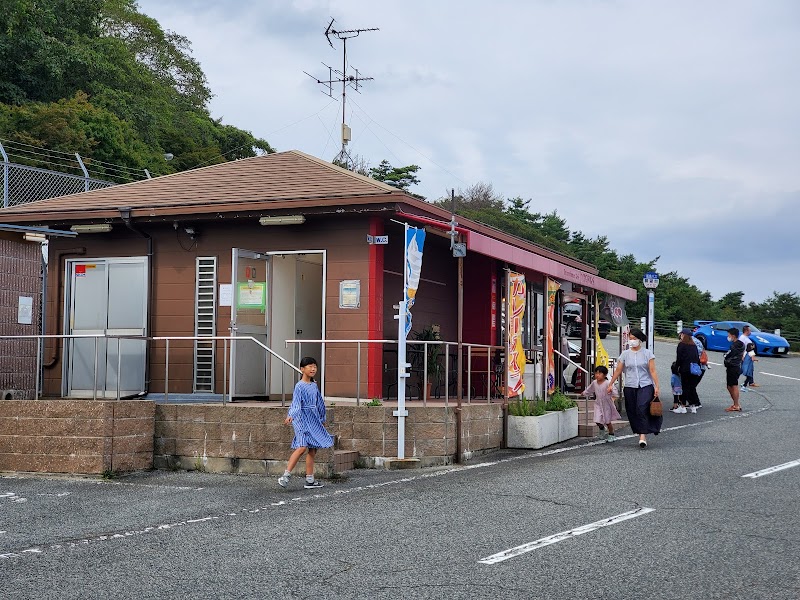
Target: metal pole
{"points": [[488, 375], [469, 374], [6, 200], [119, 363], [224, 369], [38, 366], [651, 300], [94, 392], [425, 374], [283, 385], [358, 377], [446, 374], [85, 173], [166, 375]]}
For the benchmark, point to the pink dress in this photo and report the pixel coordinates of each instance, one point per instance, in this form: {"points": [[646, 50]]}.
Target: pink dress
{"points": [[605, 410]]}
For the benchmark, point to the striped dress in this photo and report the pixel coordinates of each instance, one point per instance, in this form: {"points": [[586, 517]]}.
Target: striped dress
{"points": [[308, 415]]}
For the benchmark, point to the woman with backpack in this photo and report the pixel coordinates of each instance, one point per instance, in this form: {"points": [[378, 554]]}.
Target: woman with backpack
{"points": [[688, 363]]}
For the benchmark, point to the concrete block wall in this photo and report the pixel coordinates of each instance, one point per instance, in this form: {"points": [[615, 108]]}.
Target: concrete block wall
{"points": [[76, 436], [227, 439]]}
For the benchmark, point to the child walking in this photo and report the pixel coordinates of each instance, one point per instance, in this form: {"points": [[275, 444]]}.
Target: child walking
{"points": [[307, 416], [678, 406], [748, 366], [605, 410]]}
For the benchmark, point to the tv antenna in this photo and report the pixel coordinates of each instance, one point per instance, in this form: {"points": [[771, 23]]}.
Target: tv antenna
{"points": [[348, 78]]}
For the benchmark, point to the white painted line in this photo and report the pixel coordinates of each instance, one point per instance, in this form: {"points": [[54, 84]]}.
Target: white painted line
{"points": [[770, 470], [781, 376], [715, 364], [564, 535]]}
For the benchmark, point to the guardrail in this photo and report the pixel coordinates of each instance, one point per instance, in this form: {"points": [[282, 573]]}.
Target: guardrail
{"points": [[167, 340]]}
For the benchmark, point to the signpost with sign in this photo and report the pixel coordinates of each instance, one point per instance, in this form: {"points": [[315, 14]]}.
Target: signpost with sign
{"points": [[650, 281]]}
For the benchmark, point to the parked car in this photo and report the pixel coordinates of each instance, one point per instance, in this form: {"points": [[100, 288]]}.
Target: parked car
{"points": [[572, 319], [714, 336]]}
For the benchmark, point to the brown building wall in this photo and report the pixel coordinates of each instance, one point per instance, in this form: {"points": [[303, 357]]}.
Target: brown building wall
{"points": [[173, 293], [20, 275]]}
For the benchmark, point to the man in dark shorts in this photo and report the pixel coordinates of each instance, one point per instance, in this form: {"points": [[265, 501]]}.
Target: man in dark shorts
{"points": [[733, 368]]}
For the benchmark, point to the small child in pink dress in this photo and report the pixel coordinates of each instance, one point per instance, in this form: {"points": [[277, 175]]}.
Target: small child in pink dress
{"points": [[605, 411]]}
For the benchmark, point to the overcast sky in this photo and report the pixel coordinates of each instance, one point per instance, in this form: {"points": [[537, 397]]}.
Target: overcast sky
{"points": [[672, 127]]}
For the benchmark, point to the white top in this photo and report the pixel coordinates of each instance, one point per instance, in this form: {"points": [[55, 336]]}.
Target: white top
{"points": [[637, 367], [745, 339]]}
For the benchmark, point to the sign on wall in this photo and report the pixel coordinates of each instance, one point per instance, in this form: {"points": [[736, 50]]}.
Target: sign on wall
{"points": [[516, 353], [251, 294], [350, 293], [25, 310]]}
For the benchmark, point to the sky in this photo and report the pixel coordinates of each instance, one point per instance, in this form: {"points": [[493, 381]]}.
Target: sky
{"points": [[672, 127]]}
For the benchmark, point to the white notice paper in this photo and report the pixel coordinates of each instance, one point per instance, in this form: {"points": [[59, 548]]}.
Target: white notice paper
{"points": [[226, 294], [25, 310]]}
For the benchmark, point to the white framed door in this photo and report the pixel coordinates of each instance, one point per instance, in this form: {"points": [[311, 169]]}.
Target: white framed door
{"points": [[249, 318], [105, 296]]}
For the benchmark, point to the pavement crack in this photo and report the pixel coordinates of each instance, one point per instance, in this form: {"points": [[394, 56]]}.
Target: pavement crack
{"points": [[545, 500]]}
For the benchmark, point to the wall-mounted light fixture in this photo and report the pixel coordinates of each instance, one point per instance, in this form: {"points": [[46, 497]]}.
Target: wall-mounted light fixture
{"points": [[35, 237], [283, 220], [92, 228]]}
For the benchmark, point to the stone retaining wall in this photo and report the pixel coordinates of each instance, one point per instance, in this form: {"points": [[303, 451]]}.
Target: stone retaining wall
{"points": [[76, 436], [253, 439]]}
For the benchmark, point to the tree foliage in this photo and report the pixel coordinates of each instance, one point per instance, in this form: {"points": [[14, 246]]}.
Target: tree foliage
{"points": [[399, 177], [126, 90]]}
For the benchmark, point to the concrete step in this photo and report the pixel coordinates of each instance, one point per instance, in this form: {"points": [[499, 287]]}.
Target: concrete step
{"points": [[344, 460]]}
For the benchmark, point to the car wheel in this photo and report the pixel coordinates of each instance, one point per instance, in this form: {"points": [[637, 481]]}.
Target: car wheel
{"points": [[703, 341]]}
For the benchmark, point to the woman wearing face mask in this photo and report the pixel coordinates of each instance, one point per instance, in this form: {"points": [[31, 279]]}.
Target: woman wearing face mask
{"points": [[641, 386]]}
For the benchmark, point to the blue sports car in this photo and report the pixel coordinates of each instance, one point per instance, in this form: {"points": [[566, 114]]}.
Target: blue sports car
{"points": [[714, 336]]}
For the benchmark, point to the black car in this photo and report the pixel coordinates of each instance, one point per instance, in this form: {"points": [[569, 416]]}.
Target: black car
{"points": [[571, 317]]}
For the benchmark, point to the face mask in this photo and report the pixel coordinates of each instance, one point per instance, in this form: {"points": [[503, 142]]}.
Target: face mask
{"points": [[730, 339], [634, 343]]}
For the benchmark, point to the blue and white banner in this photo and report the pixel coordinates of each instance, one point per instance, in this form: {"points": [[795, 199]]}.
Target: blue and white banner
{"points": [[415, 240]]}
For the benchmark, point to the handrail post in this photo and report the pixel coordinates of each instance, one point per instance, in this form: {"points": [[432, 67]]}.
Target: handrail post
{"points": [[425, 374], [469, 373], [358, 376], [224, 369], [94, 391], [119, 364], [283, 385], [489, 375], [446, 374], [6, 199], [166, 373], [38, 366]]}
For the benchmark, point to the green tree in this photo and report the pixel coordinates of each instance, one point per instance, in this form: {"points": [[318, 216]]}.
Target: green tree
{"points": [[399, 177]]}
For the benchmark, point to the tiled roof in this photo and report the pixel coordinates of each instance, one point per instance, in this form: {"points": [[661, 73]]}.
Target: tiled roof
{"points": [[227, 187]]}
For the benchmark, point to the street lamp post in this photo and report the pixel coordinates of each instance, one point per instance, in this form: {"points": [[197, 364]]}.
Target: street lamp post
{"points": [[650, 281]]}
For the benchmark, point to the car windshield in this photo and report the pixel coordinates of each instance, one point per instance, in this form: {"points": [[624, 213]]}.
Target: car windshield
{"points": [[753, 328]]}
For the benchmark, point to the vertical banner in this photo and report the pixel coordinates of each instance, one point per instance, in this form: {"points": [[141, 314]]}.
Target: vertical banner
{"points": [[552, 290], [514, 350], [493, 309], [415, 240], [601, 357]]}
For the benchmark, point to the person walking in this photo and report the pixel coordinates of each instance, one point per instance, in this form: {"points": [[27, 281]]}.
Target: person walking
{"points": [[748, 365], [605, 411], [688, 362], [701, 352], [732, 360], [307, 416], [745, 339], [641, 386], [678, 406]]}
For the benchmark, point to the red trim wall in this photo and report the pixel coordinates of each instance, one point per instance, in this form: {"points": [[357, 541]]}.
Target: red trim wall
{"points": [[375, 316]]}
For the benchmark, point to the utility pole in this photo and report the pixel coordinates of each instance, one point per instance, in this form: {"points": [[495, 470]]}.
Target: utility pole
{"points": [[352, 78]]}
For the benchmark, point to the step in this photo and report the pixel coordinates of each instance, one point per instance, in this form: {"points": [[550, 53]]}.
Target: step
{"points": [[344, 460]]}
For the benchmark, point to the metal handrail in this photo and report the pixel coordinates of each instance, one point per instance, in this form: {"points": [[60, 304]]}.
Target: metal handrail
{"points": [[167, 339], [446, 344]]}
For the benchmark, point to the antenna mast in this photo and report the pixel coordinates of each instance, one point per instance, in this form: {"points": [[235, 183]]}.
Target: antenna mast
{"points": [[352, 79]]}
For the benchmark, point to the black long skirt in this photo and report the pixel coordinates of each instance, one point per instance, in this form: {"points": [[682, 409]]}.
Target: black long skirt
{"points": [[637, 405]]}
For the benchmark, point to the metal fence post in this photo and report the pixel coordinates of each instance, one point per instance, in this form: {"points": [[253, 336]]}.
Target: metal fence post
{"points": [[5, 176], [358, 376], [85, 173], [166, 373]]}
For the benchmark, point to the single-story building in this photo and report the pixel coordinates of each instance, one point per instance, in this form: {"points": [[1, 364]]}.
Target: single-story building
{"points": [[274, 248]]}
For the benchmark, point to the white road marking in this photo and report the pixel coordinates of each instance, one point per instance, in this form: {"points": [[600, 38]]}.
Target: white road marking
{"points": [[715, 364], [336, 493], [781, 376], [775, 469], [564, 535]]}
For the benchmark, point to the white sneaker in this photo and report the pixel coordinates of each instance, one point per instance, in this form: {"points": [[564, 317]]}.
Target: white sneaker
{"points": [[283, 480], [678, 411], [692, 409]]}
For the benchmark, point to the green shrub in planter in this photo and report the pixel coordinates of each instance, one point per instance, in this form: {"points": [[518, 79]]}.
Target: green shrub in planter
{"points": [[522, 407], [558, 401]]}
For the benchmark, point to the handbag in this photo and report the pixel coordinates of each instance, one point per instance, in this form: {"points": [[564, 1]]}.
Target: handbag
{"points": [[703, 358], [656, 408], [695, 369]]}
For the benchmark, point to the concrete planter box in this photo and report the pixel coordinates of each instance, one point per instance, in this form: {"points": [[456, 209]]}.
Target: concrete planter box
{"points": [[567, 424], [534, 432]]}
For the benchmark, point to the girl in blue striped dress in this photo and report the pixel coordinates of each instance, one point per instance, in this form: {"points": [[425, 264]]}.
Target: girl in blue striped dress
{"points": [[307, 416]]}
